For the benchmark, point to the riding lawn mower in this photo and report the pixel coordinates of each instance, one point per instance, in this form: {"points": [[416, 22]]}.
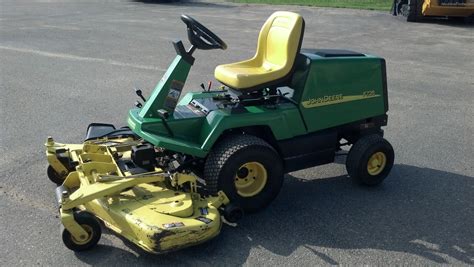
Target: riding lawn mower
{"points": [[164, 181]]}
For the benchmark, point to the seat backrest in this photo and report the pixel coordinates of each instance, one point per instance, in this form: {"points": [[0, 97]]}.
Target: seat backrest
{"points": [[280, 40]]}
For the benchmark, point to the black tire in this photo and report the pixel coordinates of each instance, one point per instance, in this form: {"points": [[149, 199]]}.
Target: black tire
{"points": [[415, 10], [91, 225], [228, 157], [54, 176], [469, 20], [399, 7], [232, 213], [359, 155]]}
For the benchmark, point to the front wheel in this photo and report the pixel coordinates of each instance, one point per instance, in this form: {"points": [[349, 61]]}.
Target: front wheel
{"points": [[247, 169], [54, 176], [91, 225], [370, 160]]}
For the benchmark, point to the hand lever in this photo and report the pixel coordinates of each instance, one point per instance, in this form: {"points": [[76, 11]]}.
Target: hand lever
{"points": [[209, 85], [140, 94]]}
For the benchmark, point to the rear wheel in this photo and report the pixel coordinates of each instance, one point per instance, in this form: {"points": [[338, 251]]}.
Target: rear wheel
{"points": [[247, 169], [370, 160]]}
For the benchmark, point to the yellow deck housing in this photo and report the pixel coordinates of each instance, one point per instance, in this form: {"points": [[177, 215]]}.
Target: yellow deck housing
{"points": [[150, 209]]}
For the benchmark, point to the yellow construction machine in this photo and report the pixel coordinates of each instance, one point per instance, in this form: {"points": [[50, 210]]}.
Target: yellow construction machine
{"points": [[417, 10]]}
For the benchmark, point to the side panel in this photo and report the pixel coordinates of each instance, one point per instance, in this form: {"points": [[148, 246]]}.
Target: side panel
{"points": [[196, 136], [284, 121], [309, 150], [185, 133], [342, 90]]}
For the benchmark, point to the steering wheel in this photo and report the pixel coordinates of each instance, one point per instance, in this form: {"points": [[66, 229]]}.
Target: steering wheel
{"points": [[200, 36]]}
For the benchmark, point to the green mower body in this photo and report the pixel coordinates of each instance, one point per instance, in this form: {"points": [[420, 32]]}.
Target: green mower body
{"points": [[333, 94]]}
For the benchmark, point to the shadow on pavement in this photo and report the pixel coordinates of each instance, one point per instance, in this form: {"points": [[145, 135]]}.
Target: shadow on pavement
{"points": [[420, 211], [451, 22], [460, 22]]}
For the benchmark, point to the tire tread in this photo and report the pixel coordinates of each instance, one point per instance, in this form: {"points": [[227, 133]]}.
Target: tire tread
{"points": [[222, 152], [358, 151]]}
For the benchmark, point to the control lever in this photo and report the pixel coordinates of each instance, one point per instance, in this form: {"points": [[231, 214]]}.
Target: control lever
{"points": [[209, 85], [164, 114], [140, 94], [138, 104]]}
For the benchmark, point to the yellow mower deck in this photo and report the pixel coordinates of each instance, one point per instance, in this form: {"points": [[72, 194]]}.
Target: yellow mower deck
{"points": [[151, 209]]}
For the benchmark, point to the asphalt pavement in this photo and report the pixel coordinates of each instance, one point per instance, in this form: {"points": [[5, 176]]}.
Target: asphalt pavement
{"points": [[67, 63]]}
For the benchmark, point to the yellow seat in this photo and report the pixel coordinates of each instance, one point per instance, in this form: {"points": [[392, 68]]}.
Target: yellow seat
{"points": [[278, 44]]}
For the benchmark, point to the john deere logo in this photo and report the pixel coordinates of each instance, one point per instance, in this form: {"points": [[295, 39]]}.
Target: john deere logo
{"points": [[336, 99]]}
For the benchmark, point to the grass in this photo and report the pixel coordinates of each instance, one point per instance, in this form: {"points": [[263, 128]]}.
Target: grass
{"points": [[358, 4]]}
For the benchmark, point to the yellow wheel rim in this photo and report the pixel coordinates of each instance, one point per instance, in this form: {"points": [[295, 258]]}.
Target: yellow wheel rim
{"points": [[89, 231], [376, 163], [250, 179]]}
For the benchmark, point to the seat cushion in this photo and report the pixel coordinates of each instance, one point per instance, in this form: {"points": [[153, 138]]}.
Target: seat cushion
{"points": [[247, 74]]}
